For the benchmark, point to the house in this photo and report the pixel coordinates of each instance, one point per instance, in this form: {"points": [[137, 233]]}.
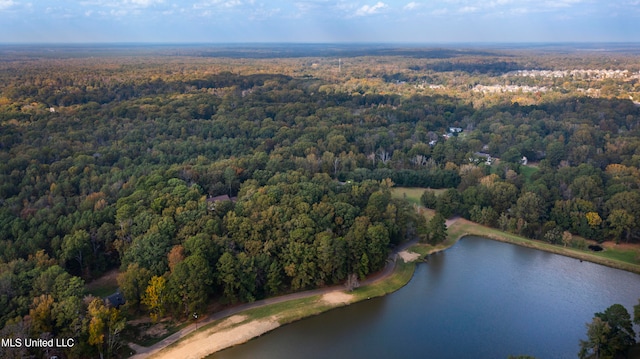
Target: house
{"points": [[115, 300], [432, 143], [455, 129], [524, 160], [211, 201], [486, 156]]}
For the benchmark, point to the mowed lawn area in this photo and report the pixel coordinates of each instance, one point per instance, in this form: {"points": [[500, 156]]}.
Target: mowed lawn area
{"points": [[413, 194]]}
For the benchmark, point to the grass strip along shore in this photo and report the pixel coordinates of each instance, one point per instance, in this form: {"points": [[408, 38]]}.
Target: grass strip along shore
{"points": [[242, 323]]}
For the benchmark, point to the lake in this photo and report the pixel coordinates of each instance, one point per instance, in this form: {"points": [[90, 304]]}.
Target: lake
{"points": [[479, 298]]}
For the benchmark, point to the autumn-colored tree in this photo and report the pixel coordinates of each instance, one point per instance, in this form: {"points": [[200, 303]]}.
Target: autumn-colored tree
{"points": [[40, 314], [105, 324], [155, 297], [175, 256]]}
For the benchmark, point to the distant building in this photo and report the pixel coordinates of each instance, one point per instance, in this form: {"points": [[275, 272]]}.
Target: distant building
{"points": [[222, 198], [115, 300], [455, 129], [524, 160], [211, 201], [51, 109], [487, 157]]}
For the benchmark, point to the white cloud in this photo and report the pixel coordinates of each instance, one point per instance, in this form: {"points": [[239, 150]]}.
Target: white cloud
{"points": [[411, 6], [371, 10], [561, 3], [146, 3], [500, 2], [118, 13], [261, 13], [5, 4], [220, 4], [468, 9]]}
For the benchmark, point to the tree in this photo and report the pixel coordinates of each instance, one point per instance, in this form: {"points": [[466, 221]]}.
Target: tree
{"points": [[104, 327], [352, 282], [40, 313], [227, 269], [75, 246], [593, 218], [175, 256], [190, 284], [155, 297], [609, 335], [133, 283], [274, 278], [436, 229], [620, 221], [622, 335], [448, 202], [597, 338], [503, 196], [530, 207], [567, 237], [428, 199]]}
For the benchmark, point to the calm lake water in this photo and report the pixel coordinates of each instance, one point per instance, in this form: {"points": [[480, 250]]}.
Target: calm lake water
{"points": [[478, 299]]}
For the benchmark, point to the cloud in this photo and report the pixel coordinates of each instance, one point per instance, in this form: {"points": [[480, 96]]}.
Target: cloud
{"points": [[371, 10], [219, 4], [5, 4], [468, 9], [261, 13], [145, 3], [411, 6]]}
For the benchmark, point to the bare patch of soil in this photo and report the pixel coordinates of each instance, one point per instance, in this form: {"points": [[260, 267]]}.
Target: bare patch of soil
{"points": [[218, 338], [337, 297], [408, 256]]}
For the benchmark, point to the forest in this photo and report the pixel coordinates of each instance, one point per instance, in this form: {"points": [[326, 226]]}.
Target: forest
{"points": [[205, 178]]}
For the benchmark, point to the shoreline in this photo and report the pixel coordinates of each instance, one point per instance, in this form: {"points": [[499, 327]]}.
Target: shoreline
{"points": [[269, 316], [469, 228], [260, 318]]}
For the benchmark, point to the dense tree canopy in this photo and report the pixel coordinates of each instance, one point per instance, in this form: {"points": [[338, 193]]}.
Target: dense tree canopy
{"points": [[122, 162]]}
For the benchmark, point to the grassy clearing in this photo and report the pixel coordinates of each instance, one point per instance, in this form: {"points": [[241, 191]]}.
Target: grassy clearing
{"points": [[413, 194], [103, 291], [628, 256], [527, 171], [103, 286]]}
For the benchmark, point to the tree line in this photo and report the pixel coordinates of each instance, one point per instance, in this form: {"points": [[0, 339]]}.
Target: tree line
{"points": [[113, 164]]}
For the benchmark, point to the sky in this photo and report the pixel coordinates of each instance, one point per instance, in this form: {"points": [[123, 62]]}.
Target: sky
{"points": [[319, 21]]}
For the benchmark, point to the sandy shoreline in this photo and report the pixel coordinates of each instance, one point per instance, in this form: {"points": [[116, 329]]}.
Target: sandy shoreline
{"points": [[232, 331], [224, 335], [238, 329]]}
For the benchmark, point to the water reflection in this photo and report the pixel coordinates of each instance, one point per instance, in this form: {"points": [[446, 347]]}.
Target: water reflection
{"points": [[480, 298]]}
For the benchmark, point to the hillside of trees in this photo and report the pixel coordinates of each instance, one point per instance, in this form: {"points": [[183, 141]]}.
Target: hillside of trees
{"points": [[114, 162]]}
